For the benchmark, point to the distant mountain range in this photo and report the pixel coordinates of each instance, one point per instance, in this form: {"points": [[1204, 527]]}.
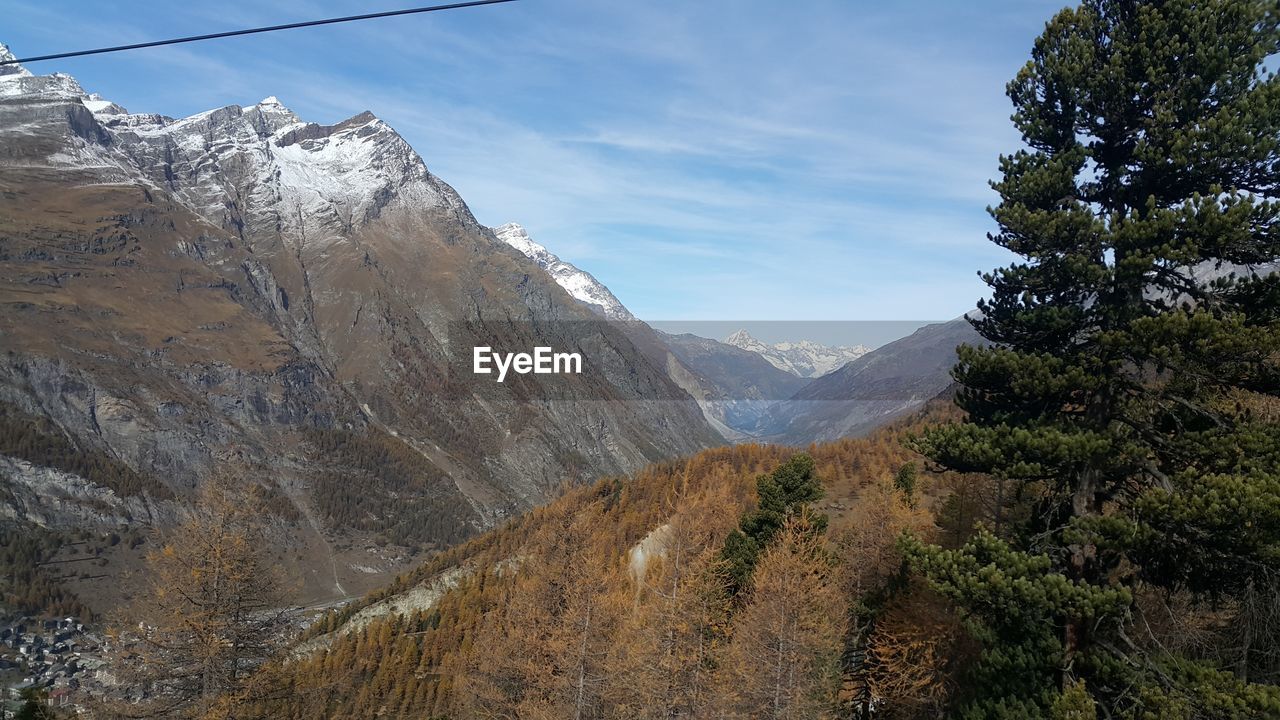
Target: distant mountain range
{"points": [[883, 384], [741, 386], [788, 392], [806, 359], [732, 386]]}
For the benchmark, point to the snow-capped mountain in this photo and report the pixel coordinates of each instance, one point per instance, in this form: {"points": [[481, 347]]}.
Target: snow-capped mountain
{"points": [[318, 181], [806, 359], [242, 283], [580, 284]]}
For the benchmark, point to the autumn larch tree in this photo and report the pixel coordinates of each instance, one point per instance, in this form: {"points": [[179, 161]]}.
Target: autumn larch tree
{"points": [[895, 641], [783, 659], [661, 664], [213, 611], [542, 652]]}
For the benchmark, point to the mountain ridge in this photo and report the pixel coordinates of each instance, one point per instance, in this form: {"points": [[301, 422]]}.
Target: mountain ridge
{"points": [[805, 358], [888, 382], [241, 288], [580, 284]]}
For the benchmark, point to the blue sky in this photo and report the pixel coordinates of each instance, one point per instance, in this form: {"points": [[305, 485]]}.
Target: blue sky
{"points": [[710, 160]]}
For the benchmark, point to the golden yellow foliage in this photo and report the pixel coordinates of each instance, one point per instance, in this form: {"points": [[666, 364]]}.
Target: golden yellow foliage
{"points": [[553, 615], [783, 659]]}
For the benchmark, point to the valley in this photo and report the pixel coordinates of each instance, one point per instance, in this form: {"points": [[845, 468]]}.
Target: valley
{"points": [[188, 298], [289, 429]]}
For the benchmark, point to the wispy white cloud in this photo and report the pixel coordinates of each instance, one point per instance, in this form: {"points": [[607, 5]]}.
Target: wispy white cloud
{"points": [[824, 160]]}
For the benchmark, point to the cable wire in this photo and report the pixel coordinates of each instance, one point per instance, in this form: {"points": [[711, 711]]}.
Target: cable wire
{"points": [[252, 31]]}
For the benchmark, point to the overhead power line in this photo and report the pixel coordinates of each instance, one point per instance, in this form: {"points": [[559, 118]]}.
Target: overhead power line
{"points": [[252, 31]]}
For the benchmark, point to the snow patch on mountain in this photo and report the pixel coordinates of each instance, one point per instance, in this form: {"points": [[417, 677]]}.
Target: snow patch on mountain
{"points": [[10, 71], [101, 106], [323, 181], [580, 284], [805, 358]]}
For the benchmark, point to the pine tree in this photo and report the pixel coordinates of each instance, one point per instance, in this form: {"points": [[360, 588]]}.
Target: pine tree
{"points": [[905, 482], [783, 493], [1133, 350]]}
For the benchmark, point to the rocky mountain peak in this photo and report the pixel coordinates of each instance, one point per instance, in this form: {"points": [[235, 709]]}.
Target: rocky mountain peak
{"points": [[7, 55], [275, 115], [580, 284], [515, 232], [237, 166], [243, 282], [99, 105]]}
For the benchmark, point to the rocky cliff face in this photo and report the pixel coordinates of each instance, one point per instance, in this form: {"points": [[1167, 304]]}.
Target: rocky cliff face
{"points": [[243, 288]]}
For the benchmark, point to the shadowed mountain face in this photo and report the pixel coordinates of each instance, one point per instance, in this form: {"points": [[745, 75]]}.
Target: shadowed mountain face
{"points": [[241, 287], [740, 384], [872, 390]]}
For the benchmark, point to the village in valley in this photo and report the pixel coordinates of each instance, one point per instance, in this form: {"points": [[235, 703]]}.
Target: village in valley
{"points": [[54, 657]]}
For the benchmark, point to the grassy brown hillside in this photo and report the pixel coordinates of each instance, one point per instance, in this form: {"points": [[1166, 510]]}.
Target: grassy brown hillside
{"points": [[612, 602]]}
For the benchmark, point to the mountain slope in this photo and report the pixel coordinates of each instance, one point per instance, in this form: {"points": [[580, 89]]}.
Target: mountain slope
{"points": [[612, 582], [732, 386], [806, 359], [244, 289], [741, 384], [891, 380]]}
